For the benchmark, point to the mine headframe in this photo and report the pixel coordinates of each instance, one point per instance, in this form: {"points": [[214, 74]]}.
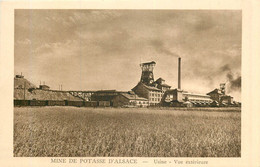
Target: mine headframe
{"points": [[147, 73]]}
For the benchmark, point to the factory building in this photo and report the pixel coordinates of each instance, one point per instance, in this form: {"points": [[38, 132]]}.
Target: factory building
{"points": [[129, 99], [160, 84], [219, 95], [147, 92], [159, 93], [153, 94], [178, 98], [148, 88], [215, 95], [227, 100], [107, 98], [104, 97]]}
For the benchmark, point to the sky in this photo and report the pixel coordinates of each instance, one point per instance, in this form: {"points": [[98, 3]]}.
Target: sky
{"points": [[103, 49]]}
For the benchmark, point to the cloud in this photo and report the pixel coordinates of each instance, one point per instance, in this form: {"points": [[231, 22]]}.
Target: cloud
{"points": [[101, 49], [24, 42]]}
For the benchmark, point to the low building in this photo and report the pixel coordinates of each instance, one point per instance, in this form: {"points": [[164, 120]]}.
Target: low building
{"points": [[197, 99], [177, 98], [86, 95], [105, 98], [129, 99], [153, 94]]}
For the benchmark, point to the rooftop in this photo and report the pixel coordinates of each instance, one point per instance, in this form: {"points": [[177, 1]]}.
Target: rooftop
{"points": [[148, 63], [165, 85], [151, 87], [39, 94], [215, 91], [133, 96]]}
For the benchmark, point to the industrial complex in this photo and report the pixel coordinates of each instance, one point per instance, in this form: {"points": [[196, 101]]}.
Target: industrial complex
{"points": [[148, 92]]}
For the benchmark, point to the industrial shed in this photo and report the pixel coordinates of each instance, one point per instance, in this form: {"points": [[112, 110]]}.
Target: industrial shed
{"points": [[105, 98], [129, 99], [178, 98], [39, 94]]}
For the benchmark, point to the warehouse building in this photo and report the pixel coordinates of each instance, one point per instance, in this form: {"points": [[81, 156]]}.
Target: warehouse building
{"points": [[178, 98], [104, 97], [129, 99], [109, 98]]}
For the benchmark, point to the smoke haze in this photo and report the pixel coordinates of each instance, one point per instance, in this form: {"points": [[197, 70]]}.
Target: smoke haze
{"points": [[234, 83], [160, 48]]}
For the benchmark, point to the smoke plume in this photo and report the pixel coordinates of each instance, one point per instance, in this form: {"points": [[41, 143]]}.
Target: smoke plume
{"points": [[225, 68], [160, 48], [234, 82]]}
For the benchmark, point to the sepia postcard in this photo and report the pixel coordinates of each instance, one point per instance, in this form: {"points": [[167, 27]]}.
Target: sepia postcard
{"points": [[118, 83]]}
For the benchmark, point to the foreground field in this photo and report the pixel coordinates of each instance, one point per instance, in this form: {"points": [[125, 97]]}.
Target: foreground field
{"points": [[71, 131]]}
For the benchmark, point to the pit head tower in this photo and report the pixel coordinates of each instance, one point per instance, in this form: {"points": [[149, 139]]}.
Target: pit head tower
{"points": [[147, 77]]}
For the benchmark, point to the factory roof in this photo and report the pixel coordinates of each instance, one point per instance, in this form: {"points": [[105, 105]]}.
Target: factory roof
{"points": [[147, 87], [150, 87], [161, 81], [44, 86], [176, 89], [195, 94], [187, 93], [40, 94], [165, 85], [105, 91], [148, 63], [215, 91], [133, 96], [226, 97]]}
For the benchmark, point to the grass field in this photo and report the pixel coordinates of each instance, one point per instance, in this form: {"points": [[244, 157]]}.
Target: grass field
{"points": [[71, 131]]}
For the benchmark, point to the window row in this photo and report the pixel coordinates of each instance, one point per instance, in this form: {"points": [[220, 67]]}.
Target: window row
{"points": [[156, 95], [155, 99]]}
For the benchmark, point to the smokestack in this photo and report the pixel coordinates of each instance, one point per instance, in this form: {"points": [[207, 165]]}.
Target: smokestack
{"points": [[179, 73]]}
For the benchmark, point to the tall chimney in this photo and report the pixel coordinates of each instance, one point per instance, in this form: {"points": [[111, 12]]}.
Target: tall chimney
{"points": [[179, 73]]}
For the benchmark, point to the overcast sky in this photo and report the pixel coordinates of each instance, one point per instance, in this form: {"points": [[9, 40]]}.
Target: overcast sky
{"points": [[102, 49]]}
